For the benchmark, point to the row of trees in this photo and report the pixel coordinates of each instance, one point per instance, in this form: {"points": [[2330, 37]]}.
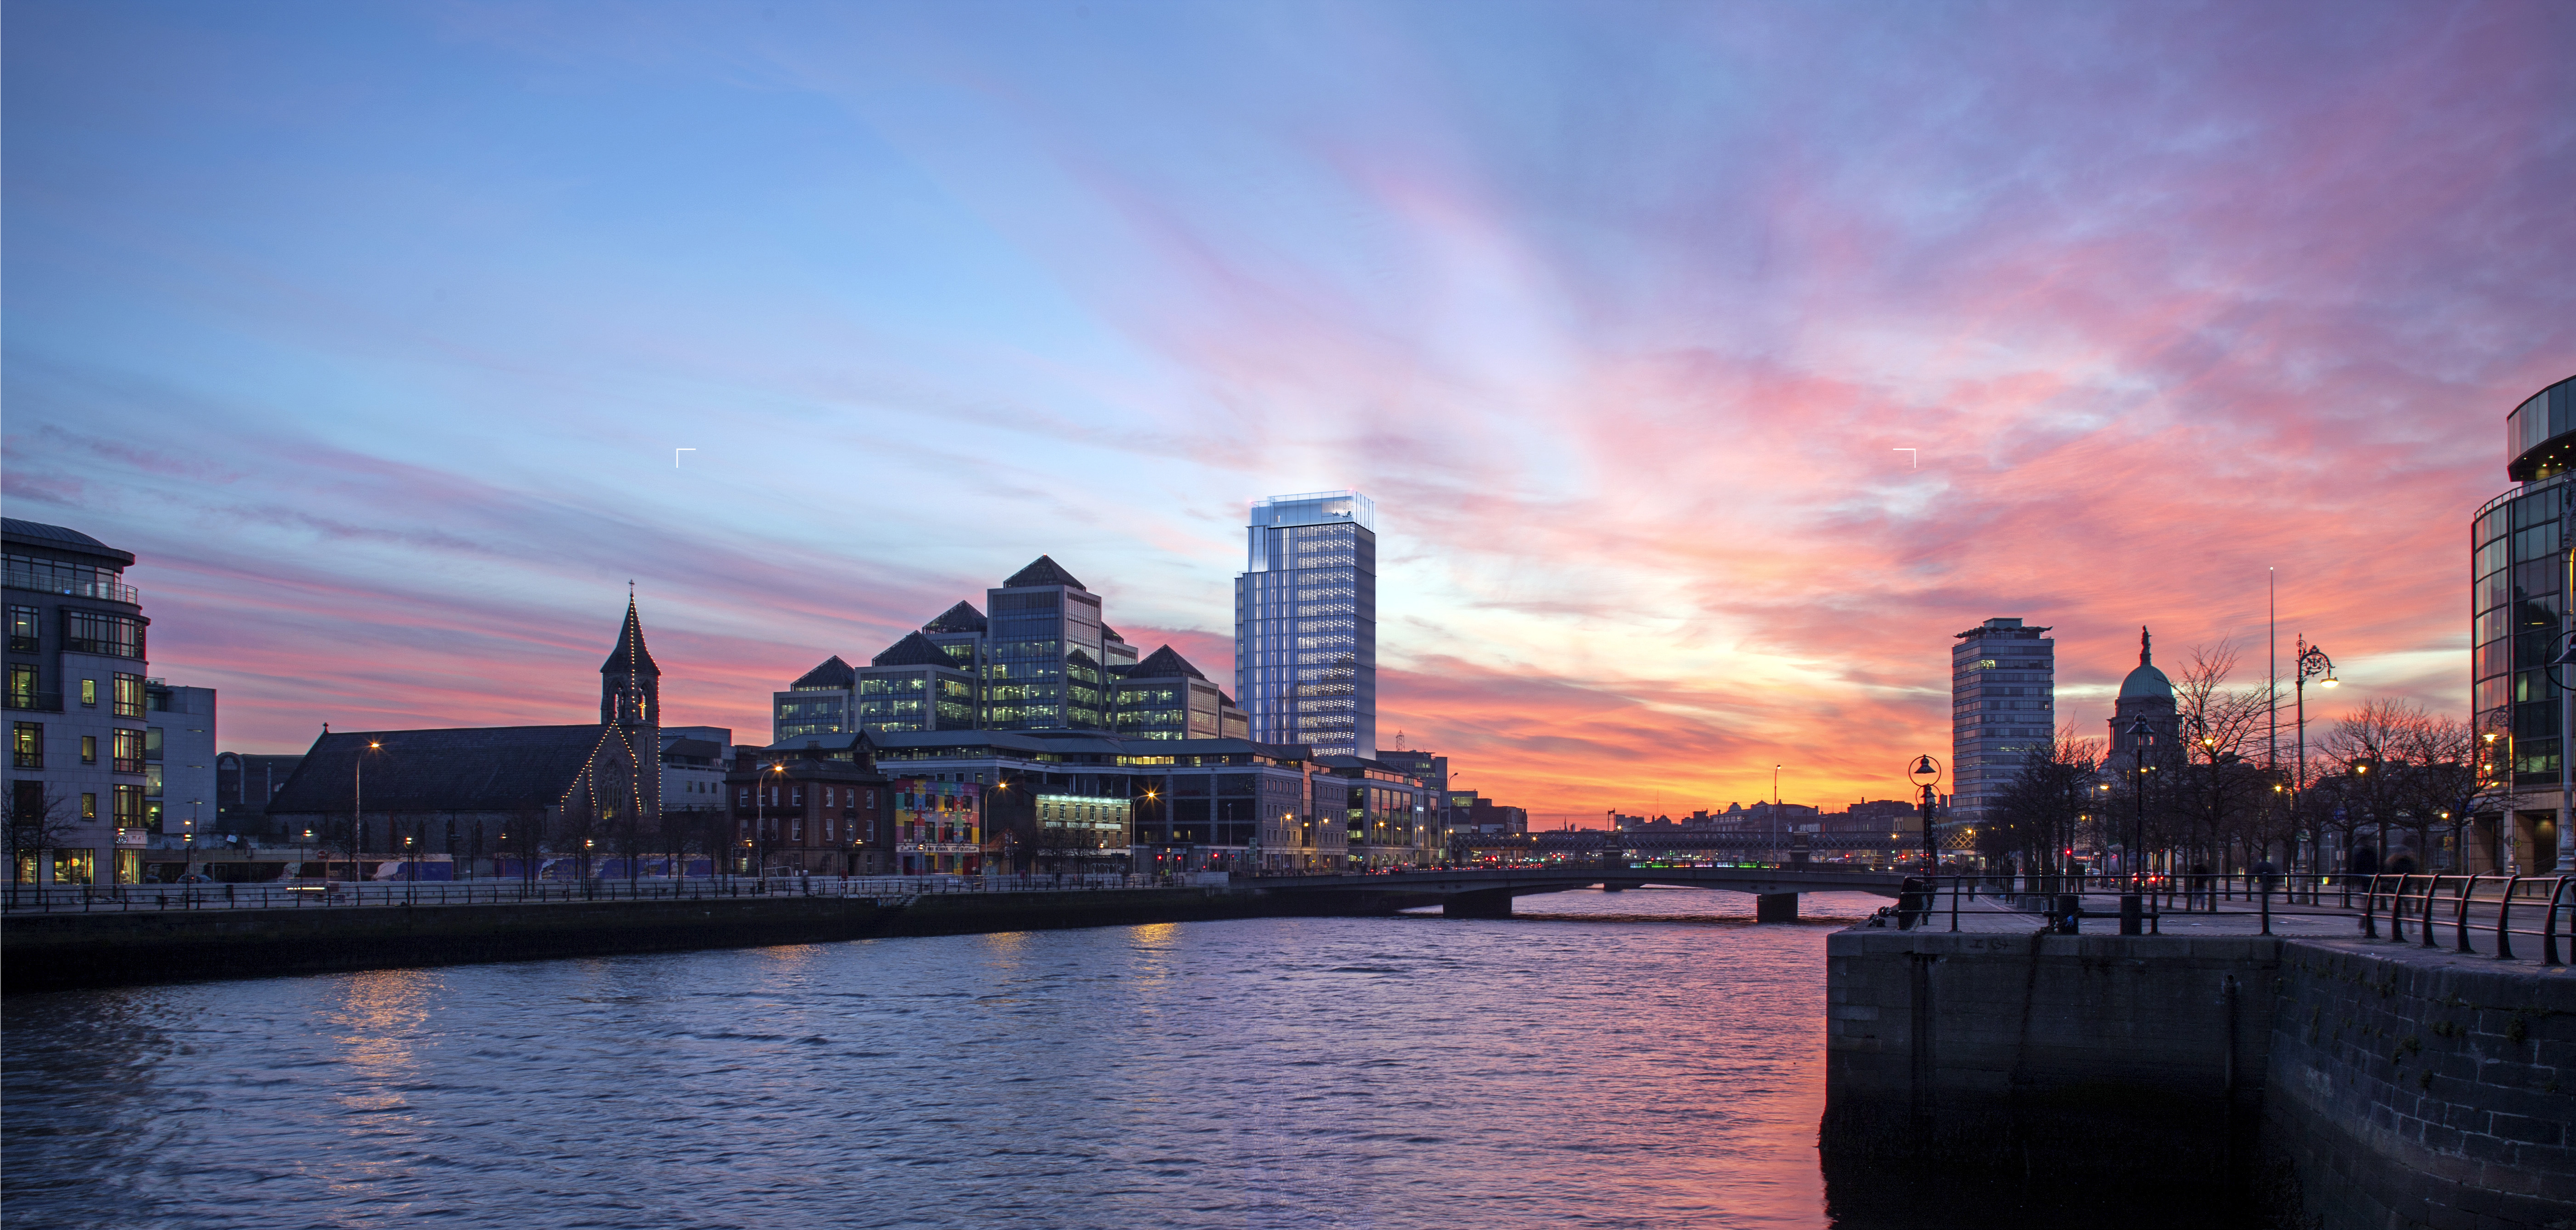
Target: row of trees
{"points": [[2389, 774]]}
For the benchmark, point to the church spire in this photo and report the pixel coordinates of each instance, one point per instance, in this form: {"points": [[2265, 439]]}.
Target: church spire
{"points": [[630, 685]]}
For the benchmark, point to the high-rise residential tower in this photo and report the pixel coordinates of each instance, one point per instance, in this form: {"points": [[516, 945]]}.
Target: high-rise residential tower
{"points": [[2003, 703], [1305, 622]]}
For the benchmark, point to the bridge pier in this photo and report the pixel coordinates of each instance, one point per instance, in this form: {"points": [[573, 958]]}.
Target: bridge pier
{"points": [[1775, 907], [1493, 903]]}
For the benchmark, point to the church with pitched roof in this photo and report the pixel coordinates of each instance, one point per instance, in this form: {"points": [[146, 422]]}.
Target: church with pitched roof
{"points": [[524, 792]]}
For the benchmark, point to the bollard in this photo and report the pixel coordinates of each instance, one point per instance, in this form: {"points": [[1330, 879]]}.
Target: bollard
{"points": [[2070, 914]]}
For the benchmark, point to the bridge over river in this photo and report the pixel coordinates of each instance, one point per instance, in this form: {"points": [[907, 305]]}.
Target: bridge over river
{"points": [[1488, 892]]}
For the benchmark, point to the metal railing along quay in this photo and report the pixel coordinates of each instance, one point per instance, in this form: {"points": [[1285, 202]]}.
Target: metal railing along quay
{"points": [[315, 894], [2495, 908]]}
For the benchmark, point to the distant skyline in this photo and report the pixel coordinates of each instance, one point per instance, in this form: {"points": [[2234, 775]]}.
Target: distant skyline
{"points": [[1711, 365]]}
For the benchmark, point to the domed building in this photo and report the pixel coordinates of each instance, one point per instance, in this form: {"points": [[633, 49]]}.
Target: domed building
{"points": [[2148, 694]]}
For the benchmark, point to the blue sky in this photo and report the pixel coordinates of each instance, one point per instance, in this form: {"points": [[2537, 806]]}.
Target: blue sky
{"points": [[372, 330]]}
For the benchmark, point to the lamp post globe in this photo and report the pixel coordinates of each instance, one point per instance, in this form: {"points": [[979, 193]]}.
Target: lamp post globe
{"points": [[1925, 773]]}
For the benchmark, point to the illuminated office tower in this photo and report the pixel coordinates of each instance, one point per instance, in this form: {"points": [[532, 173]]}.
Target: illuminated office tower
{"points": [[1305, 623], [2003, 706]]}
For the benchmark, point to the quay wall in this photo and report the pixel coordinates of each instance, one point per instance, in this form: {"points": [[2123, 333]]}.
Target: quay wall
{"points": [[2257, 1081], [2422, 1088], [56, 951], [2026, 1053]]}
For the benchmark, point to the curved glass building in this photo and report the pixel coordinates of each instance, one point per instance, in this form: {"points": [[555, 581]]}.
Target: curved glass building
{"points": [[2518, 610]]}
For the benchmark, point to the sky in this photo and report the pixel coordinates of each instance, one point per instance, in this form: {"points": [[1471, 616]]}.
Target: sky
{"points": [[1711, 365]]}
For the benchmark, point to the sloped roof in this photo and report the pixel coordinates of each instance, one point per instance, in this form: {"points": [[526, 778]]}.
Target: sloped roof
{"points": [[832, 673], [913, 650], [475, 768], [1043, 571], [37, 533], [962, 617], [1164, 663], [630, 656], [1111, 634]]}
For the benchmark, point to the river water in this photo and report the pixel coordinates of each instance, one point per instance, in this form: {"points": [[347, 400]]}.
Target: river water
{"points": [[1646, 1058]]}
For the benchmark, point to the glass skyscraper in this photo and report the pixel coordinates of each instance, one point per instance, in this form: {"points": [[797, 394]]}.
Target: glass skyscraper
{"points": [[1305, 623]]}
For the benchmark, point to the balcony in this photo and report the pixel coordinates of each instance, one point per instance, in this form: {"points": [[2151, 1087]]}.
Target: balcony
{"points": [[36, 702], [106, 591]]}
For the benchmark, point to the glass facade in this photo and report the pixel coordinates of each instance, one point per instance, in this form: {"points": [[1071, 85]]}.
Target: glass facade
{"points": [[2003, 703], [2518, 562], [1305, 620], [1043, 653]]}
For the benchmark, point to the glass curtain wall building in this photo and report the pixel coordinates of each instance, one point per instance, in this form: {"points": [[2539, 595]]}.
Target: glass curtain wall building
{"points": [[1045, 653], [1305, 623], [2518, 605], [2003, 703]]}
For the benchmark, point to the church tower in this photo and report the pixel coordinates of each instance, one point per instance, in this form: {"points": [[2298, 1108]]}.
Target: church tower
{"points": [[630, 686]]}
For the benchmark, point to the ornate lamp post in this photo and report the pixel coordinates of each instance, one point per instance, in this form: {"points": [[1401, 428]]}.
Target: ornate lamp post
{"points": [[2311, 662], [1925, 774]]}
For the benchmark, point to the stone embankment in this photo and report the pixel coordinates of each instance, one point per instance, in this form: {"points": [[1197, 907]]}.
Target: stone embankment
{"points": [[40, 952], [2305, 1082]]}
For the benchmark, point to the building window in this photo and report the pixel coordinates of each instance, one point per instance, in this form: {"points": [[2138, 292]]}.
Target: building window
{"points": [[27, 745], [129, 695], [89, 806], [22, 687], [103, 633], [89, 749], [25, 624], [129, 805], [127, 752], [89, 693]]}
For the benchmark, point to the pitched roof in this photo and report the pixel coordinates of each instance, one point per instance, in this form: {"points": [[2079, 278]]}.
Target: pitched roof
{"points": [[1111, 634], [475, 768], [913, 650], [832, 673], [630, 656], [1163, 663], [1043, 571], [962, 617]]}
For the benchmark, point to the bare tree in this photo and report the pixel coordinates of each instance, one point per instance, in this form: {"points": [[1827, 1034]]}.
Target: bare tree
{"points": [[38, 822], [2363, 750], [2218, 801], [2051, 802]]}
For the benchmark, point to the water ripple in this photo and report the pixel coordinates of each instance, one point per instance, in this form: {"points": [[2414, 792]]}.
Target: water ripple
{"points": [[1643, 1059]]}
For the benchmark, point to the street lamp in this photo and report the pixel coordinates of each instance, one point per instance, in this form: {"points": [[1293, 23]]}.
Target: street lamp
{"points": [[1925, 774], [760, 823], [357, 811], [2310, 663], [2566, 718], [2133, 902], [1775, 814]]}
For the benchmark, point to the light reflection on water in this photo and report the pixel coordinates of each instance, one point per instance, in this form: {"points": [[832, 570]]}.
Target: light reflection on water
{"points": [[1631, 1059]]}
